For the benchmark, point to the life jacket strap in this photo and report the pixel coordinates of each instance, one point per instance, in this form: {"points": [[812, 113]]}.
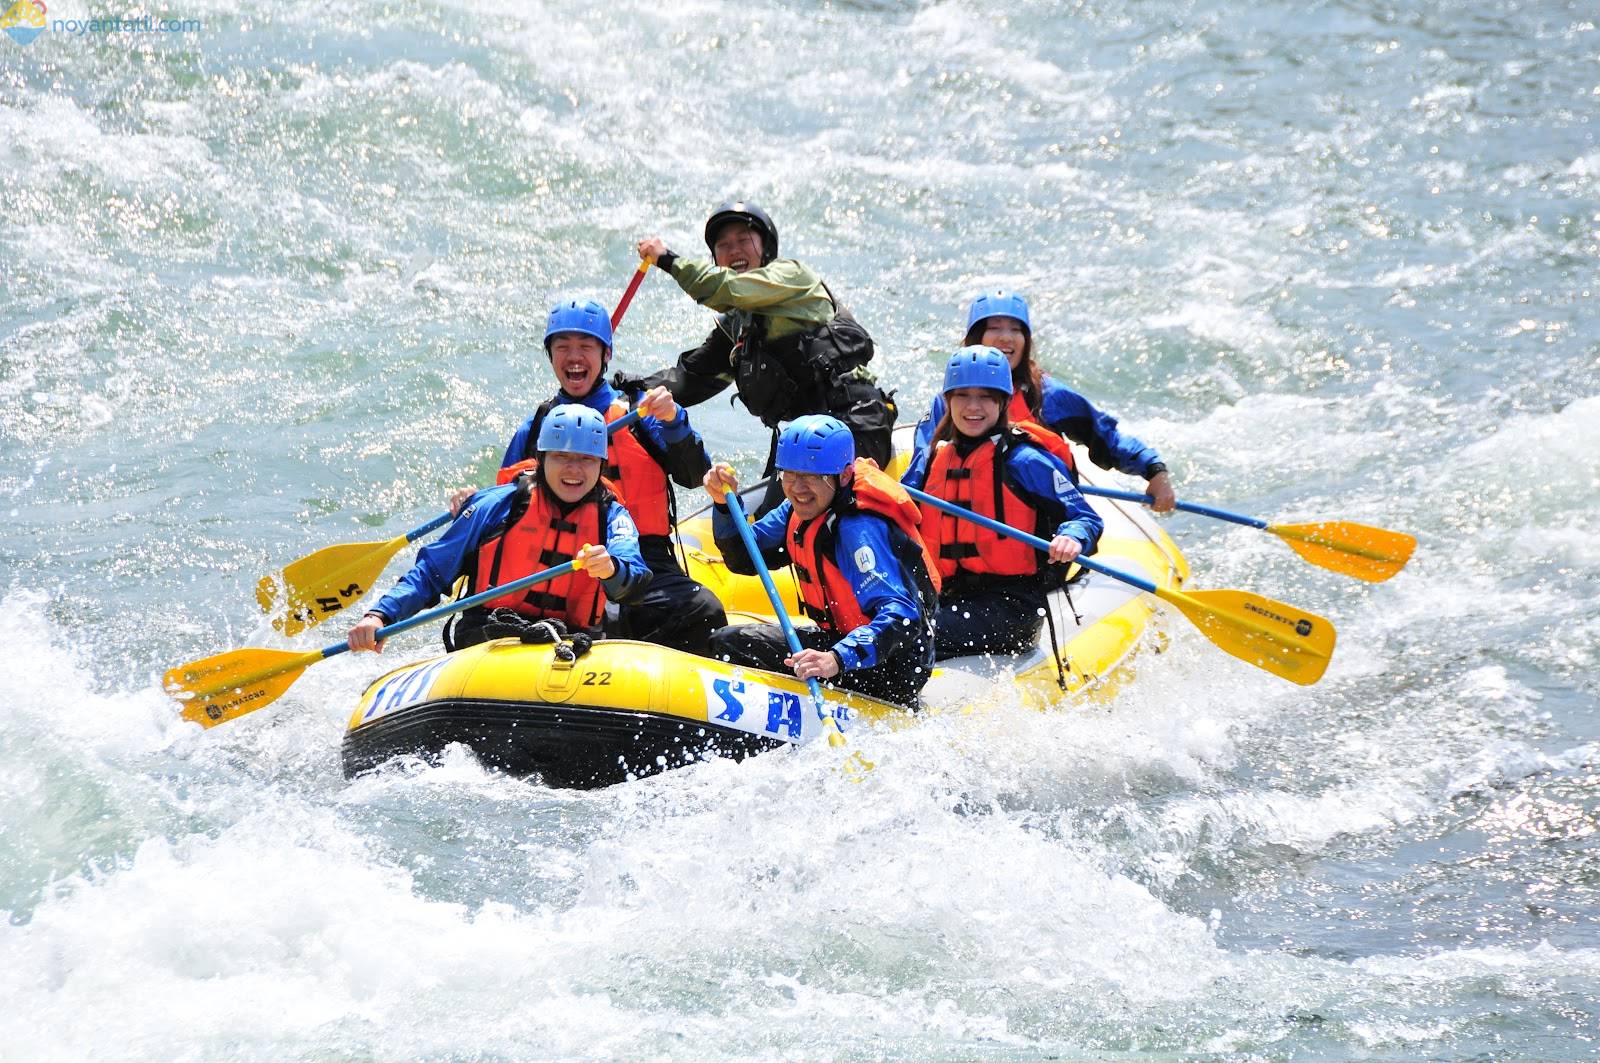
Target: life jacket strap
{"points": [[542, 599], [819, 617]]}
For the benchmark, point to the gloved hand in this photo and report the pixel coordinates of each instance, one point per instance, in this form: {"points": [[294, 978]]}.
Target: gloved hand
{"points": [[628, 385]]}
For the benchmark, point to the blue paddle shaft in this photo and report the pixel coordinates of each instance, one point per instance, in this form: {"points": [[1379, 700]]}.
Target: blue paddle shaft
{"points": [[737, 510], [433, 525], [1187, 507], [1022, 536], [455, 607], [445, 518]]}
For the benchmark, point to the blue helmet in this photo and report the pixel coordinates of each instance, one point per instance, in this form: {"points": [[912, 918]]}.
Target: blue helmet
{"points": [[588, 318], [573, 429], [999, 304], [751, 215], [978, 366], [816, 443]]}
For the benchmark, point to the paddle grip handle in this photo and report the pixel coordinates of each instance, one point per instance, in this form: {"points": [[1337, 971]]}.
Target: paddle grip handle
{"points": [[1022, 536], [1187, 507], [736, 509], [429, 615]]}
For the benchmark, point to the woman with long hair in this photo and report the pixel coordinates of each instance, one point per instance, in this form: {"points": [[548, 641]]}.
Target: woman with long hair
{"points": [[1000, 320]]}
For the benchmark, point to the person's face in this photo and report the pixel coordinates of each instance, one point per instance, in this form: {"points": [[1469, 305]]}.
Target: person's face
{"points": [[974, 410], [810, 493], [578, 360], [1007, 335], [737, 247], [570, 476]]}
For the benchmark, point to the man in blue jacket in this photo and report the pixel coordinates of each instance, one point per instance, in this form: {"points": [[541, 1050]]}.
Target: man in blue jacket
{"points": [[644, 461], [555, 511], [865, 578]]}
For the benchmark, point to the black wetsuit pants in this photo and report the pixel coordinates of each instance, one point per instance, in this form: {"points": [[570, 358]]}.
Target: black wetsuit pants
{"points": [[898, 680], [675, 611], [998, 619]]}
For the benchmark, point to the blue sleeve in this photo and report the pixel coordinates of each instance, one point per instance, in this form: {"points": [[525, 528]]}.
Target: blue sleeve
{"points": [[518, 445], [668, 432], [916, 473], [1042, 475], [769, 532], [632, 577], [924, 437], [442, 562], [1064, 410], [865, 554]]}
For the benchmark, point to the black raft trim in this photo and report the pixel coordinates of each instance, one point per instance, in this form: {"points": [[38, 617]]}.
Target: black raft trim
{"points": [[567, 746]]}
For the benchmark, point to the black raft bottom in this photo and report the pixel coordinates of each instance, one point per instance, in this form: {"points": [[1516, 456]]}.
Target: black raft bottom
{"points": [[569, 746]]}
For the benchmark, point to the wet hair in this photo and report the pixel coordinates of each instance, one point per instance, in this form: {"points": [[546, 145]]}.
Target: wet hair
{"points": [[1026, 377], [946, 429]]}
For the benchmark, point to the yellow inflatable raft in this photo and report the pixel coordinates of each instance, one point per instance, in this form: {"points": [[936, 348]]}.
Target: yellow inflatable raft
{"points": [[630, 709]]}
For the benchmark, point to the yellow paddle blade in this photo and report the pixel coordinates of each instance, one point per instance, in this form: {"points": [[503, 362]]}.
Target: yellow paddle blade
{"points": [[1359, 550], [1274, 637], [856, 766], [217, 689], [310, 590]]}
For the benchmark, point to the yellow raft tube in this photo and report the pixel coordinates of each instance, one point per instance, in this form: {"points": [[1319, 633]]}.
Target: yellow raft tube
{"points": [[630, 709]]}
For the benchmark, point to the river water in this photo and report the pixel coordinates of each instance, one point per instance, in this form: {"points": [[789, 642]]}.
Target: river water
{"points": [[278, 282]]}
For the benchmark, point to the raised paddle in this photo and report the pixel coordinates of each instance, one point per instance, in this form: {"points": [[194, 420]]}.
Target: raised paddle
{"points": [[830, 726], [217, 689], [1359, 550], [322, 583], [1275, 637], [627, 296]]}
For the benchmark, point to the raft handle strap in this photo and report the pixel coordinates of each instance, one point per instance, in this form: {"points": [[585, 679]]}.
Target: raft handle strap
{"points": [[1055, 644]]}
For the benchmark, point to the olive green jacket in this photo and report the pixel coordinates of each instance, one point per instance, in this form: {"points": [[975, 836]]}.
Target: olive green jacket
{"points": [[789, 295]]}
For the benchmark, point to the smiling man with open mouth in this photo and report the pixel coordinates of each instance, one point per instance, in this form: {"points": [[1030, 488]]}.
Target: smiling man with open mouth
{"points": [[781, 337]]}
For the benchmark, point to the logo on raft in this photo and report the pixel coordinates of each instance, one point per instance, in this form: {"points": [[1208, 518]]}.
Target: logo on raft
{"points": [[24, 20]]}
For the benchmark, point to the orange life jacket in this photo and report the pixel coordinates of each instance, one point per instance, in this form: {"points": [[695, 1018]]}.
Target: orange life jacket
{"points": [[1021, 417], [542, 536], [978, 483], [640, 476], [825, 594], [637, 475]]}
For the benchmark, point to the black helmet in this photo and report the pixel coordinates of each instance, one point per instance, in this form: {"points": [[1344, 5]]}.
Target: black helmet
{"points": [[751, 215]]}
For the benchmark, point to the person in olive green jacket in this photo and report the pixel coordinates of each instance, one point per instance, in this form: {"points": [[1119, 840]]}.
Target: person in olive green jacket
{"points": [[781, 337]]}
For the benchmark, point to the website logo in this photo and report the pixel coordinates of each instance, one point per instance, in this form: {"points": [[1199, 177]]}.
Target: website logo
{"points": [[23, 20]]}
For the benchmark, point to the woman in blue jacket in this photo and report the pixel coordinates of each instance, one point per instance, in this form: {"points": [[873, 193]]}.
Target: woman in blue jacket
{"points": [[994, 589], [1000, 320]]}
